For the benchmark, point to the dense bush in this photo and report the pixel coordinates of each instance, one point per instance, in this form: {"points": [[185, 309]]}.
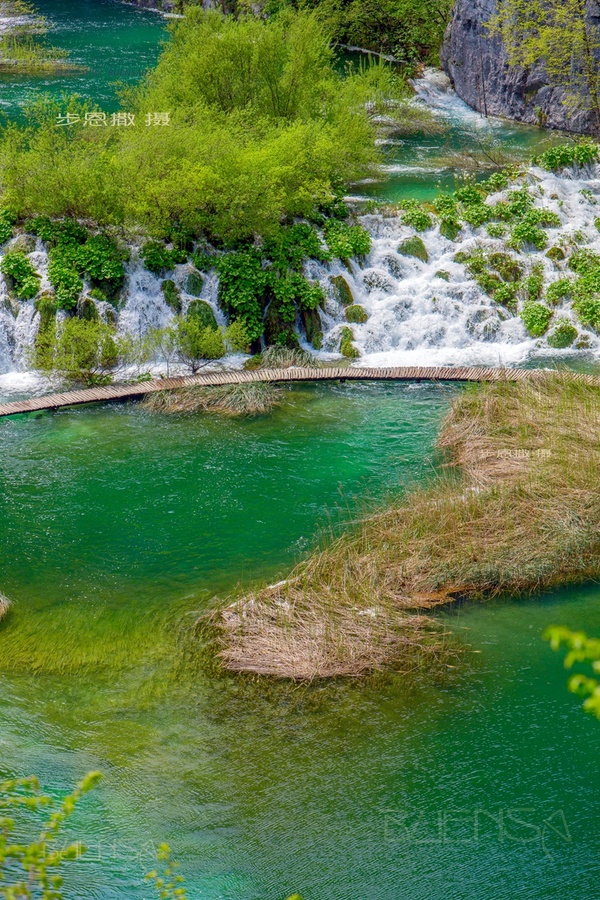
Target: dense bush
{"points": [[345, 241], [80, 350], [563, 335], [20, 274], [565, 155], [263, 126], [7, 221], [158, 258], [536, 318]]}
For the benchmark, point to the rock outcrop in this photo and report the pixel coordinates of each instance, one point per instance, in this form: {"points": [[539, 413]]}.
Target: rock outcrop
{"points": [[478, 68]]}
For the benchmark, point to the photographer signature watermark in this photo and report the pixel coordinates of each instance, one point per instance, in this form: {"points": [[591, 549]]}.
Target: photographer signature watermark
{"points": [[113, 120], [518, 825]]}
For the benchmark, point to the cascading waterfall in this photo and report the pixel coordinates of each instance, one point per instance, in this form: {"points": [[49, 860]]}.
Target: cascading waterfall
{"points": [[420, 312]]}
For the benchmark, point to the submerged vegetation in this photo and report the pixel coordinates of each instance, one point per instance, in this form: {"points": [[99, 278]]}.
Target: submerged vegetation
{"points": [[22, 45], [250, 399], [523, 516]]}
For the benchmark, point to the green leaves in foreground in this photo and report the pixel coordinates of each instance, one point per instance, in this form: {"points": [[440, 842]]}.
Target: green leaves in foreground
{"points": [[580, 649], [29, 870]]}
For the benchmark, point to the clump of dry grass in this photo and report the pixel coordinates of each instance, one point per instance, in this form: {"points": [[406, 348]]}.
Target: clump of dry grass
{"points": [[283, 358], [249, 399], [5, 605], [524, 516]]}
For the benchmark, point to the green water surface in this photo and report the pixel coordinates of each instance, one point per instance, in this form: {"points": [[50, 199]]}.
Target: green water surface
{"points": [[117, 528]]}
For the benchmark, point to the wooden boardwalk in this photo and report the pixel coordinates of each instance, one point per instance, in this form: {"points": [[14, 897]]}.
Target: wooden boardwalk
{"points": [[134, 391]]}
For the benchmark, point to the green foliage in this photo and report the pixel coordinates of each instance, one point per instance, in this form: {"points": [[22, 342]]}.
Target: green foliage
{"points": [[289, 247], [158, 258], [566, 155], [242, 286], [346, 241], [201, 310], [409, 29], [414, 216], [584, 262], [102, 261], [558, 291], [79, 350], [564, 36], [507, 267], [496, 230], [7, 221], [506, 294], [450, 228], [169, 885], [196, 343], [21, 275], [534, 284], [556, 254], [583, 650], [264, 127], [536, 318], [563, 335], [588, 311], [41, 859], [527, 233]]}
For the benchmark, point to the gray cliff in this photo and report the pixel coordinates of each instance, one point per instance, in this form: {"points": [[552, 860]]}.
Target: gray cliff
{"points": [[477, 66]]}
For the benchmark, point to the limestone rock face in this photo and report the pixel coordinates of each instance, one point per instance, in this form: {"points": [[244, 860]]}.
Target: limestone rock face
{"points": [[477, 66]]}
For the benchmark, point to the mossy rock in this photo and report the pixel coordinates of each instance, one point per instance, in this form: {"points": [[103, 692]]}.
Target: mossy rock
{"points": [[86, 309], [312, 326], [47, 306], [507, 267], [279, 332], [171, 295], [450, 229], [445, 276], [23, 242], [203, 312], [415, 247], [341, 290], [347, 348], [194, 284], [556, 254], [356, 314], [563, 335]]}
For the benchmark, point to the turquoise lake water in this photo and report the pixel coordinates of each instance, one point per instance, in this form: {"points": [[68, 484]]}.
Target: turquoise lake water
{"points": [[118, 527]]}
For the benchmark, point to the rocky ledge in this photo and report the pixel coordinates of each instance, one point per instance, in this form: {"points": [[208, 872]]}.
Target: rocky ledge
{"points": [[478, 68]]}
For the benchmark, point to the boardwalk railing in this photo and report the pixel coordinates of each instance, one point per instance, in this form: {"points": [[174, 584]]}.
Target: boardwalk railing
{"points": [[205, 379]]}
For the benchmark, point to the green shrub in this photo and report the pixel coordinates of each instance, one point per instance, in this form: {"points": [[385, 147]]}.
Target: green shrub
{"points": [[80, 350], [196, 343], [556, 254], [158, 258], [102, 261], [588, 311], [194, 283], [526, 233], [495, 182], [566, 155], [65, 279], [469, 194], [477, 214], [21, 275], [558, 291], [346, 241], [563, 335], [242, 289], [496, 230], [289, 247], [536, 318], [489, 282], [506, 294], [416, 217], [7, 221], [534, 284], [584, 261]]}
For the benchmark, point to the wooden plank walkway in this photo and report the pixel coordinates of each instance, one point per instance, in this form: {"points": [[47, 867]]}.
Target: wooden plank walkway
{"points": [[132, 391]]}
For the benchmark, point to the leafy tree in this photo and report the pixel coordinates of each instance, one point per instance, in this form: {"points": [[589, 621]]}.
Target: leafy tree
{"points": [[79, 350], [564, 36], [31, 868]]}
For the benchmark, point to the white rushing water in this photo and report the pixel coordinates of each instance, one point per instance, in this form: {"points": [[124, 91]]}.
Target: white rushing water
{"points": [[415, 316]]}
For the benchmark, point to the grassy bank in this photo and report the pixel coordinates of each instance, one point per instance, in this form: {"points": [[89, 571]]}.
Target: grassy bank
{"points": [[518, 512]]}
